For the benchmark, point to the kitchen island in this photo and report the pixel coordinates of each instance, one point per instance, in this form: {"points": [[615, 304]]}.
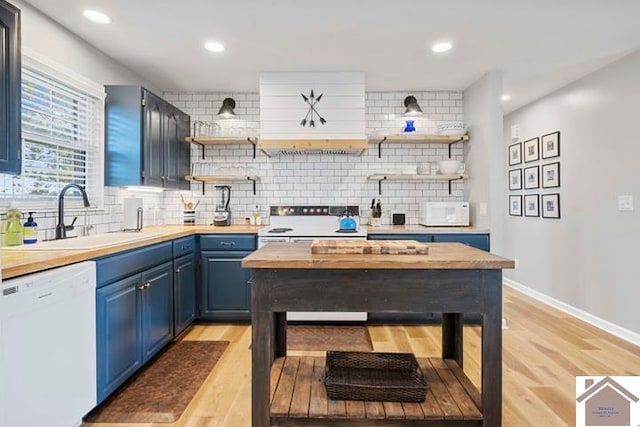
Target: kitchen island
{"points": [[453, 279]]}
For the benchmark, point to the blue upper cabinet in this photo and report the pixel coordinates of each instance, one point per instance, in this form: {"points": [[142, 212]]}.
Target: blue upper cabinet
{"points": [[145, 140], [10, 89]]}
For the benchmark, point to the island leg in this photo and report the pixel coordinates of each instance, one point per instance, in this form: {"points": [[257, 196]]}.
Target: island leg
{"points": [[492, 349], [262, 353], [452, 337], [280, 334]]}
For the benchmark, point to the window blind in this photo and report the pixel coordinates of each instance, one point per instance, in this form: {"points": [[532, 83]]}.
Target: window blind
{"points": [[61, 140]]}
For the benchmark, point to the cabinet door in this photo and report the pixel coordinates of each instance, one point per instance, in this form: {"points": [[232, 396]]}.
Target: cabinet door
{"points": [[226, 289], [152, 140], [118, 339], [184, 292], [480, 241], [157, 309], [10, 89], [171, 146]]}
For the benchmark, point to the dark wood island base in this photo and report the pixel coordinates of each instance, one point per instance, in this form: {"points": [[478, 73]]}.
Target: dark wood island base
{"points": [[453, 279]]}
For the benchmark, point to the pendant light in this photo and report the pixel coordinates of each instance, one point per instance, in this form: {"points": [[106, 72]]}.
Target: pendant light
{"points": [[226, 111]]}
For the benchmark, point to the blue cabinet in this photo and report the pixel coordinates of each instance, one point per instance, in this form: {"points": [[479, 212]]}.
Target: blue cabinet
{"points": [[134, 302], [226, 291], [119, 342], [419, 237], [184, 292], [480, 241], [10, 89], [157, 309]]}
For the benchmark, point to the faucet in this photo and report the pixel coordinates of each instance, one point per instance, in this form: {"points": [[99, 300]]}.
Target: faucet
{"points": [[61, 228]]}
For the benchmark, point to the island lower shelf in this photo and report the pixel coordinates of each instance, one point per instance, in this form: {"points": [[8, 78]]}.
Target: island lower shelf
{"points": [[299, 398]]}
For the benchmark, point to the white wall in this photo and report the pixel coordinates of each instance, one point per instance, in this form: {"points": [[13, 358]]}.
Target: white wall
{"points": [[483, 113], [587, 258], [323, 179]]}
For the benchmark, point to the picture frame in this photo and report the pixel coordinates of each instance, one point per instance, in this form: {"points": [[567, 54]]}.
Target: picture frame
{"points": [[531, 150], [515, 179], [515, 154], [531, 177], [550, 145], [531, 205], [551, 206], [515, 205], [551, 175]]}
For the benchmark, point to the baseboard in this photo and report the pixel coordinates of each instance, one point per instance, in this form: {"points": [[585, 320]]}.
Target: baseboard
{"points": [[605, 325]]}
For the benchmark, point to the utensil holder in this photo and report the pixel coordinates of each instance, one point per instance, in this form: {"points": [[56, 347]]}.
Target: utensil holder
{"points": [[189, 217]]}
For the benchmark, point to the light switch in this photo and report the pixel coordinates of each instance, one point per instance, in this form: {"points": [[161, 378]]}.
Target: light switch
{"points": [[515, 132], [625, 203], [483, 209]]}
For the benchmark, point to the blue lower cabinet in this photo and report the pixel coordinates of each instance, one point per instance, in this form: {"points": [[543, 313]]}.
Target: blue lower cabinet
{"points": [[157, 309], [184, 292], [425, 238], [226, 292], [119, 321], [479, 241]]}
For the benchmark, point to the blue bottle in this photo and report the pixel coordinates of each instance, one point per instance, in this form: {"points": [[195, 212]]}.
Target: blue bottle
{"points": [[409, 126], [30, 231]]}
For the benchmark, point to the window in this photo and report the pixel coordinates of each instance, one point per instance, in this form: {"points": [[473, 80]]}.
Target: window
{"points": [[62, 137]]}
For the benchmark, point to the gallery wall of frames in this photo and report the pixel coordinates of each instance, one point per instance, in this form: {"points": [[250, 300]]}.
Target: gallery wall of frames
{"points": [[534, 177]]}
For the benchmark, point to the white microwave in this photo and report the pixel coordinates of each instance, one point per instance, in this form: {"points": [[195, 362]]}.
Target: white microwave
{"points": [[444, 213]]}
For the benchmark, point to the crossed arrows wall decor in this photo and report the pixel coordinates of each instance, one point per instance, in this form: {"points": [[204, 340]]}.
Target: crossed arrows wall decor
{"points": [[312, 101]]}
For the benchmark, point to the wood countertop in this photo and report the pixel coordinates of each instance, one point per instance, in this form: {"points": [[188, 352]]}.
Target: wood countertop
{"points": [[422, 229], [441, 256], [16, 262]]}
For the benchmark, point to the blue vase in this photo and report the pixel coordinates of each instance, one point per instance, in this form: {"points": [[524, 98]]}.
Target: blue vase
{"points": [[409, 127]]}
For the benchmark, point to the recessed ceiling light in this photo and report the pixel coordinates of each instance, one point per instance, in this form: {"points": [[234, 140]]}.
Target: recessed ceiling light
{"points": [[506, 97], [441, 47], [97, 17], [214, 47]]}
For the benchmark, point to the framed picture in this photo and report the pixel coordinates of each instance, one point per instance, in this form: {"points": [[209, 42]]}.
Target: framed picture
{"points": [[515, 154], [550, 145], [551, 175], [531, 177], [531, 153], [515, 179], [531, 205], [551, 205], [515, 205]]}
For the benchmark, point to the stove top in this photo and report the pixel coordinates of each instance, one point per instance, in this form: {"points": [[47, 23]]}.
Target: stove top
{"points": [[309, 221]]}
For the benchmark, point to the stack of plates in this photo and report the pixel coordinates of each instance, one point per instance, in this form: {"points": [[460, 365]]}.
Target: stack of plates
{"points": [[452, 128]]}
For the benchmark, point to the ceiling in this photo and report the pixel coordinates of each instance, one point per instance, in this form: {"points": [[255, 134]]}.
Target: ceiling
{"points": [[539, 45]]}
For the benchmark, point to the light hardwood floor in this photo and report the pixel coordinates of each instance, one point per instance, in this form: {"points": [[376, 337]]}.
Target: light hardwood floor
{"points": [[543, 350]]}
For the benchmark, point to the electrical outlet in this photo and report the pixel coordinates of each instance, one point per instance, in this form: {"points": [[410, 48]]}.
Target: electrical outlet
{"points": [[483, 209], [625, 203], [516, 263], [515, 132]]}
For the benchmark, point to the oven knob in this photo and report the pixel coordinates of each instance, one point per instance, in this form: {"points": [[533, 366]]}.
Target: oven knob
{"points": [[305, 210], [325, 210]]}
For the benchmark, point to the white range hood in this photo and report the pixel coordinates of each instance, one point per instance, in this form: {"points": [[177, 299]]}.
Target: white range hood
{"points": [[312, 112]]}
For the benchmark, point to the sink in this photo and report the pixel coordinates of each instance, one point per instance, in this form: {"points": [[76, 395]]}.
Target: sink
{"points": [[86, 242]]}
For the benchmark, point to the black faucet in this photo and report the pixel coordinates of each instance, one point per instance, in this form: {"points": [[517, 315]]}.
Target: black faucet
{"points": [[61, 229]]}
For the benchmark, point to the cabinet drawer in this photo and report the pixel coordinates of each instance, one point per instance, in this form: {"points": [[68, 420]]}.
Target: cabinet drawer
{"points": [[183, 246], [124, 264], [228, 242], [480, 241]]}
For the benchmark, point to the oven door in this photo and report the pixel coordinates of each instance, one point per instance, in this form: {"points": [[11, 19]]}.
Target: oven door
{"points": [[325, 316]]}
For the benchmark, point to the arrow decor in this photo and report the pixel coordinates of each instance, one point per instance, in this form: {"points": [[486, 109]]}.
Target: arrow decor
{"points": [[312, 101]]}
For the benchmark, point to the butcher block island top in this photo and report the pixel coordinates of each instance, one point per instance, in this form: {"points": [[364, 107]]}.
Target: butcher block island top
{"points": [[440, 256]]}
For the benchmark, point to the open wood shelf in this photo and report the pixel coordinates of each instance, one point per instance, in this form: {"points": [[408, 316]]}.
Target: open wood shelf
{"points": [[223, 178], [417, 139], [299, 397], [414, 177], [203, 141]]}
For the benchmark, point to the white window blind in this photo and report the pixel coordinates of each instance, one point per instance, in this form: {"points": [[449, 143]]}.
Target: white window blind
{"points": [[62, 140]]}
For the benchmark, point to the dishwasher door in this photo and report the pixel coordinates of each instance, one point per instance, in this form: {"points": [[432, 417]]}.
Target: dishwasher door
{"points": [[48, 347]]}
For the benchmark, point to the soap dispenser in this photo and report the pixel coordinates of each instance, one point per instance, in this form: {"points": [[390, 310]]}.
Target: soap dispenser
{"points": [[13, 227], [30, 231]]}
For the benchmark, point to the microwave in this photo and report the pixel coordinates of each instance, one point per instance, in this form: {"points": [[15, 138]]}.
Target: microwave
{"points": [[444, 213]]}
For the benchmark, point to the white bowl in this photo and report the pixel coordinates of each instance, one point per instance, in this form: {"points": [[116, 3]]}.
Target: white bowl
{"points": [[449, 167]]}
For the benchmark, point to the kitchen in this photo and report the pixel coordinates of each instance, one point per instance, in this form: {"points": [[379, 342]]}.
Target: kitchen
{"points": [[339, 180]]}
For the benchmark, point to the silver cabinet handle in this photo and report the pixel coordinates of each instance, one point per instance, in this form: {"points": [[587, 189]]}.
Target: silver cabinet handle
{"points": [[227, 243], [177, 271], [147, 285], [140, 288]]}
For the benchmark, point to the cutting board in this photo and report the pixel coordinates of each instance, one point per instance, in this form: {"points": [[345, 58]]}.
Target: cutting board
{"points": [[374, 247]]}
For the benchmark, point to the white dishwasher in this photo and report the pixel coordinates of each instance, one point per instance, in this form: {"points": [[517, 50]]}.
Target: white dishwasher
{"points": [[48, 347]]}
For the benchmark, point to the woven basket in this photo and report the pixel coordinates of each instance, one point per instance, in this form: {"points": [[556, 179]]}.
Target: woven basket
{"points": [[393, 377]]}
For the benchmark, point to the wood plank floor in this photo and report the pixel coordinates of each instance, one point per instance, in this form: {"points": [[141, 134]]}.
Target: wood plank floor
{"points": [[543, 350]]}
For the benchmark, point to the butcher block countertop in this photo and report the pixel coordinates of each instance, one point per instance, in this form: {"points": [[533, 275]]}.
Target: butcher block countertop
{"points": [[421, 229], [17, 262], [441, 256]]}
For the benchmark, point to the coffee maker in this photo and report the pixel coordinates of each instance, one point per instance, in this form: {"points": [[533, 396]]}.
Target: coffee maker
{"points": [[222, 214]]}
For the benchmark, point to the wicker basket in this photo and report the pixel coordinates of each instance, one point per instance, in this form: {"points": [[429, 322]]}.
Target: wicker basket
{"points": [[393, 377]]}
